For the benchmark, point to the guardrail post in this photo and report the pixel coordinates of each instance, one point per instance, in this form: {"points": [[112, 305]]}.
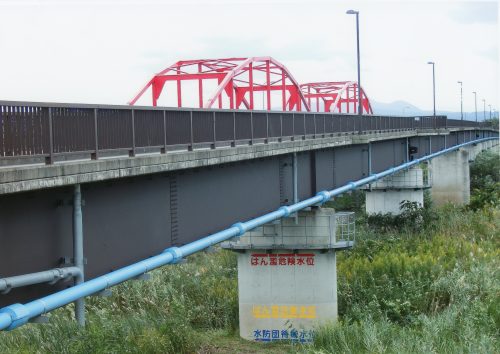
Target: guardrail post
{"points": [[78, 251], [233, 144], [324, 125], [212, 146], [191, 138], [315, 131], [164, 149], [95, 155], [251, 128], [280, 139], [49, 160], [267, 128], [305, 131], [131, 153]]}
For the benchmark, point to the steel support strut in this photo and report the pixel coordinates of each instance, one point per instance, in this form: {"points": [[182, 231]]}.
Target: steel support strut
{"points": [[78, 251]]}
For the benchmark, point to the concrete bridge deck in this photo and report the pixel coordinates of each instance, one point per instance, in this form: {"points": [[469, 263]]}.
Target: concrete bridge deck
{"points": [[20, 177]]}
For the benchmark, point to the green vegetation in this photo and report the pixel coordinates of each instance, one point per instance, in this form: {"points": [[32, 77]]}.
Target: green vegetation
{"points": [[485, 180], [407, 287]]}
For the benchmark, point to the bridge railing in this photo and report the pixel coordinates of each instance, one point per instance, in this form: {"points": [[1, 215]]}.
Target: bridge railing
{"points": [[65, 131]]}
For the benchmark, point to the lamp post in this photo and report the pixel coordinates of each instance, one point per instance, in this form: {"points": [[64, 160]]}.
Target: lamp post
{"points": [[475, 102], [360, 106], [484, 109], [433, 86], [461, 101], [490, 110]]}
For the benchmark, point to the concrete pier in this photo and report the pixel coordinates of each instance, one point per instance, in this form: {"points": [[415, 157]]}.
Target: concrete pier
{"points": [[387, 195], [287, 276], [451, 180]]}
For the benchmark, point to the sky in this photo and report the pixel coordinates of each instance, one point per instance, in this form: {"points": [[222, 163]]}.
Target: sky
{"points": [[105, 51]]}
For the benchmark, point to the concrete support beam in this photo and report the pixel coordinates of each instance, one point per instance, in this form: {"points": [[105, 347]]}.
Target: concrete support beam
{"points": [[386, 196], [450, 178], [389, 201], [287, 277]]}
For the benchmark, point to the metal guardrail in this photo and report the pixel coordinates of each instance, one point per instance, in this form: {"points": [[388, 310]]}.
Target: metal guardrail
{"points": [[17, 315], [47, 131]]}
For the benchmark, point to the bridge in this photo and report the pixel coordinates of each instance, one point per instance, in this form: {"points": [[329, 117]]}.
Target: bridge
{"points": [[94, 195], [97, 191]]}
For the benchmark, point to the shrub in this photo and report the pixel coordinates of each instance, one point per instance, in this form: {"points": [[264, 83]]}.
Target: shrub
{"points": [[485, 180]]}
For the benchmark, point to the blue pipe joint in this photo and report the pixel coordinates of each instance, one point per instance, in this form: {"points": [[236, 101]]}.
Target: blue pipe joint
{"points": [[241, 230], [176, 254], [18, 313], [286, 211], [325, 196], [352, 185]]}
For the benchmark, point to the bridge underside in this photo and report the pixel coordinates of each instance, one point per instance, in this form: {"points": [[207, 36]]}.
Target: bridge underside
{"points": [[131, 218]]}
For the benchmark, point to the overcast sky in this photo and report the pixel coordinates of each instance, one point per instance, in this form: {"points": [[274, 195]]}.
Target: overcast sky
{"points": [[104, 51]]}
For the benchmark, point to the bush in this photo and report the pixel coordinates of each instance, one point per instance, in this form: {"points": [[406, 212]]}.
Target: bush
{"points": [[485, 180], [413, 217]]}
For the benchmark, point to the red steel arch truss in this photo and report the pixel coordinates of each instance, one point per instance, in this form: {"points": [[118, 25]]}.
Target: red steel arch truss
{"points": [[237, 81], [338, 96]]}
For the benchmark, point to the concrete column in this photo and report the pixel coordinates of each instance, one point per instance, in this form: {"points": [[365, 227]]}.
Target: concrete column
{"points": [[389, 201], [386, 196], [287, 277], [476, 149], [450, 178]]}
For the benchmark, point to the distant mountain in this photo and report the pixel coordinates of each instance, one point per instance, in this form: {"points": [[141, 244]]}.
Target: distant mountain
{"points": [[403, 108], [396, 108]]}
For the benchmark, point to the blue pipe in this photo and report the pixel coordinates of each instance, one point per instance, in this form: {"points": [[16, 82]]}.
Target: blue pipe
{"points": [[16, 315]]}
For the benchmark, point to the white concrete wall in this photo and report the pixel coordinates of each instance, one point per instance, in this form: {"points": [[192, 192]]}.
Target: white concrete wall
{"points": [[380, 201], [475, 150], [411, 178], [284, 294], [450, 178], [286, 298], [312, 228]]}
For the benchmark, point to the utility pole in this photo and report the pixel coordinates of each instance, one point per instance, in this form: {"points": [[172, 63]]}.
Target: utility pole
{"points": [[461, 101], [433, 86], [360, 106], [475, 102]]}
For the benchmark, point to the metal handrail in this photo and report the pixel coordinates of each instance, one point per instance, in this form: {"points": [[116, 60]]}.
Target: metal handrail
{"points": [[47, 130]]}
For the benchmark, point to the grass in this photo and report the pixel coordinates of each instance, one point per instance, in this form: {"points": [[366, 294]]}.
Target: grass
{"points": [[403, 289], [420, 293]]}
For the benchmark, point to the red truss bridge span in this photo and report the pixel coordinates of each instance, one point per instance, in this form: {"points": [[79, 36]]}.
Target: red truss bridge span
{"points": [[248, 83], [338, 96]]}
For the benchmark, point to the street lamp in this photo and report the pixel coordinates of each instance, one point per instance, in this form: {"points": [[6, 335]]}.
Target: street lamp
{"points": [[490, 110], [360, 106], [461, 101], [475, 102], [484, 109], [433, 85]]}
